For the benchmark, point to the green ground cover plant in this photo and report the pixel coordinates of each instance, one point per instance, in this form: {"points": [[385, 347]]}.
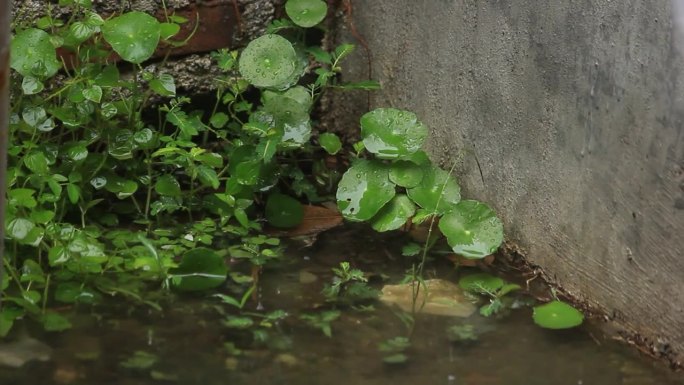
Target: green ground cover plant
{"points": [[118, 185], [105, 200]]}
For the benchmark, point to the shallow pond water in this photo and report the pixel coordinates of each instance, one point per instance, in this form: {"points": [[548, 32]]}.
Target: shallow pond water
{"points": [[188, 339]]}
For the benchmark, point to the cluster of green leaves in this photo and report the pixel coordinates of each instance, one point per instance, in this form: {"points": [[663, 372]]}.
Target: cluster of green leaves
{"points": [[401, 185], [84, 159], [75, 125], [494, 288], [349, 286], [553, 315]]}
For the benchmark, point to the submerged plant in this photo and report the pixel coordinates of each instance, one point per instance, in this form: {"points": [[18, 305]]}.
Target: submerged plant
{"points": [[394, 350], [490, 286], [349, 286], [462, 333], [321, 320]]}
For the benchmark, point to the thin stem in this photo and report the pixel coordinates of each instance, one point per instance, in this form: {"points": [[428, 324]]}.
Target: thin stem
{"points": [[426, 246]]}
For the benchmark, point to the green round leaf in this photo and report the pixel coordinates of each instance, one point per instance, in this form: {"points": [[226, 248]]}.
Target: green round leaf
{"points": [[300, 94], [31, 85], [19, 228], [94, 93], [391, 134], [481, 283], [472, 229], [406, 174], [394, 214], [32, 53], [77, 152], [167, 185], [364, 189], [133, 35], [283, 211], [144, 138], [200, 269], [98, 182], [246, 169], [437, 192], [331, 143], [34, 115], [291, 117], [269, 62], [37, 162], [22, 197], [168, 30], [557, 315], [306, 13], [164, 85], [208, 176]]}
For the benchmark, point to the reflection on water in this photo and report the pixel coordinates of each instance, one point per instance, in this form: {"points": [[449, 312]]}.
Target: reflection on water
{"points": [[188, 341]]}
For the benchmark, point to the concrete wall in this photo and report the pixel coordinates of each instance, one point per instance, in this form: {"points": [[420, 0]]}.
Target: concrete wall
{"points": [[575, 110]]}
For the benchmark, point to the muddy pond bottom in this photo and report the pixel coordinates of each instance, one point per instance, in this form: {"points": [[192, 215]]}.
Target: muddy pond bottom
{"points": [[189, 343]]}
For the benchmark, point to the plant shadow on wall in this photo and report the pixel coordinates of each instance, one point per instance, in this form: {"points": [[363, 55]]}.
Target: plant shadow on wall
{"points": [[102, 202]]}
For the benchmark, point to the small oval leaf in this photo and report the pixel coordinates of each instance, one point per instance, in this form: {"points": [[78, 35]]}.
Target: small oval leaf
{"points": [[557, 315], [330, 142]]}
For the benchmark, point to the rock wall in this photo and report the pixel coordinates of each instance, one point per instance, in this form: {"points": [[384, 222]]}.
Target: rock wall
{"points": [[574, 110], [221, 24]]}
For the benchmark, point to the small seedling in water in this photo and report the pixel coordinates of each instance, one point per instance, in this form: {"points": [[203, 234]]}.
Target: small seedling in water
{"points": [[488, 285], [462, 333], [394, 349], [349, 286], [140, 360], [321, 320]]}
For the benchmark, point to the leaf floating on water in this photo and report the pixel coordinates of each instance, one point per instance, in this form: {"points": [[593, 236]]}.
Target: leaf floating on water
{"points": [[557, 315]]}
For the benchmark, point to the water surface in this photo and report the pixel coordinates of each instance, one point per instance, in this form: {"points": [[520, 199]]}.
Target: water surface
{"points": [[189, 339]]}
